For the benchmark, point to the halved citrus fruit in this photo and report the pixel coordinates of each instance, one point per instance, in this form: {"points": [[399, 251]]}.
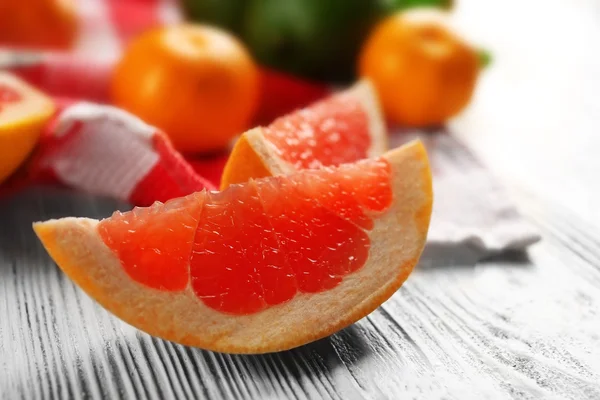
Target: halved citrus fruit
{"points": [[262, 266], [342, 128], [23, 112]]}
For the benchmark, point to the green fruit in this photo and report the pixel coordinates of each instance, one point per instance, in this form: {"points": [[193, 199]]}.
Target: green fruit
{"points": [[395, 5], [317, 39], [227, 14]]}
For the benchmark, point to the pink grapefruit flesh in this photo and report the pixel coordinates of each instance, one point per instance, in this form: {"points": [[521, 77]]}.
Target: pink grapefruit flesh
{"points": [[330, 132]]}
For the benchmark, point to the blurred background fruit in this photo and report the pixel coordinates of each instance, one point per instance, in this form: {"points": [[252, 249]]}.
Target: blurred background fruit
{"points": [[197, 83], [38, 23], [314, 39], [23, 113], [311, 38], [227, 14], [391, 6], [423, 71]]}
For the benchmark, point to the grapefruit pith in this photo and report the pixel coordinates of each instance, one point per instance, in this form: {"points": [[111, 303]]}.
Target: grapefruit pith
{"points": [[342, 128], [262, 266]]}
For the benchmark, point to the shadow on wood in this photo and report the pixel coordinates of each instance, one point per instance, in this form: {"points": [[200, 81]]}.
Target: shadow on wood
{"points": [[19, 211], [466, 255]]}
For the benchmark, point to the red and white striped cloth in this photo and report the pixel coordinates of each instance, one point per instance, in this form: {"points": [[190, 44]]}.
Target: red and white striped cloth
{"points": [[107, 151]]}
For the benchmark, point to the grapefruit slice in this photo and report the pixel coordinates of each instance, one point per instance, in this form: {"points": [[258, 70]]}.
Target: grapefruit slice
{"points": [[23, 113], [343, 128], [262, 266]]}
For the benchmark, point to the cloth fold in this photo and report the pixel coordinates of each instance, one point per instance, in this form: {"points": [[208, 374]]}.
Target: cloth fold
{"points": [[471, 208]]}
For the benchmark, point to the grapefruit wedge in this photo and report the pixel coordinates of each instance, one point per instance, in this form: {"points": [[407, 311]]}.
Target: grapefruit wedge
{"points": [[262, 266], [342, 128], [23, 113]]}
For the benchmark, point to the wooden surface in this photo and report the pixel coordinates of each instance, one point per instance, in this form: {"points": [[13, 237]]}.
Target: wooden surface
{"points": [[517, 326]]}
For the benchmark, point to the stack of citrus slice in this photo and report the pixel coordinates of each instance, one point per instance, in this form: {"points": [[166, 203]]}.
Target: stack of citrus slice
{"points": [[270, 263]]}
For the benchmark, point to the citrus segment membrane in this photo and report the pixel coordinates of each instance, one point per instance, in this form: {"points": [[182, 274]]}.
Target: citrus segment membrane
{"points": [[154, 243], [330, 132], [236, 264], [257, 244], [320, 246], [358, 191]]}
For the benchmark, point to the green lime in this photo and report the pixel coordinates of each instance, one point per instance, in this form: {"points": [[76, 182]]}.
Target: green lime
{"points": [[317, 39], [395, 5], [227, 14]]}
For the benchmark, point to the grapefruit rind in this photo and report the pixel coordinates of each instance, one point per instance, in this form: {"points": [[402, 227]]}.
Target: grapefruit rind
{"points": [[397, 239], [253, 156], [366, 94]]}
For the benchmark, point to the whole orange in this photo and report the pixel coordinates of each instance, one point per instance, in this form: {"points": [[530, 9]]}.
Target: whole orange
{"points": [[195, 82], [423, 71], [38, 23]]}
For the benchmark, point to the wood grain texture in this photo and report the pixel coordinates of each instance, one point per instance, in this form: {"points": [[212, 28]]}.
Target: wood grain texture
{"points": [[519, 326]]}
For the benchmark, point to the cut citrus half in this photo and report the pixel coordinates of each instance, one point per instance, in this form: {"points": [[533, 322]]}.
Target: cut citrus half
{"points": [[23, 112], [345, 127], [262, 266]]}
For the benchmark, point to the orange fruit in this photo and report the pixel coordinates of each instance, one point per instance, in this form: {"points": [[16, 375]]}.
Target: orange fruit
{"points": [[195, 82], [23, 113], [38, 23], [342, 128], [262, 266], [423, 71]]}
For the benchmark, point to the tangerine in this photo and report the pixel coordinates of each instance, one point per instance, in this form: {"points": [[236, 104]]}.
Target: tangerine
{"points": [[195, 82], [423, 71]]}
